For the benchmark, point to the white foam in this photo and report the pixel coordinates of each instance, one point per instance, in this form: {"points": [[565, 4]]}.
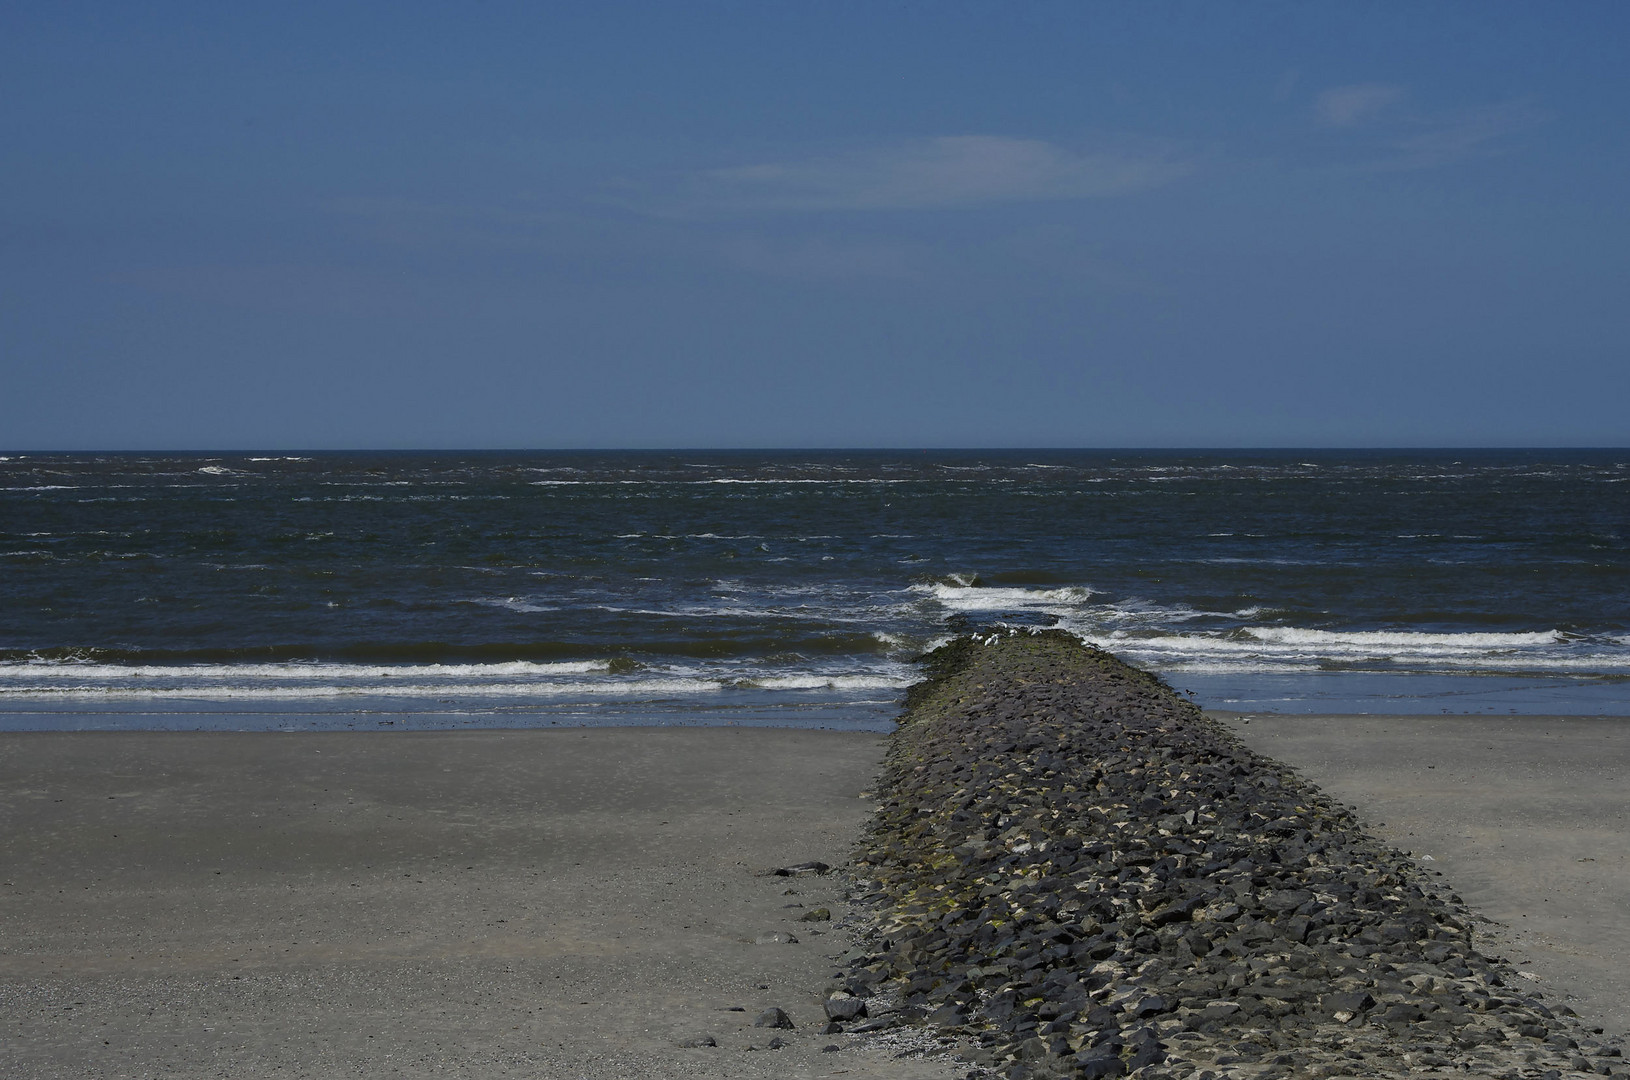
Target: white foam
{"points": [[295, 670], [511, 681], [513, 603], [982, 598], [240, 691], [840, 480], [1403, 639], [1290, 649], [828, 682]]}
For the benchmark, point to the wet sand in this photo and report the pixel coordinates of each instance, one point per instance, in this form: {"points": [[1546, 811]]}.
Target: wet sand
{"points": [[568, 903], [1528, 818]]}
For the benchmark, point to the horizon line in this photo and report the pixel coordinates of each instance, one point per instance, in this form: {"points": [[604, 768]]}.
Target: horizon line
{"points": [[698, 449]]}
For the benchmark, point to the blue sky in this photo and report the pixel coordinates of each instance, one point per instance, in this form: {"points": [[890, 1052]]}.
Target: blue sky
{"points": [[775, 224]]}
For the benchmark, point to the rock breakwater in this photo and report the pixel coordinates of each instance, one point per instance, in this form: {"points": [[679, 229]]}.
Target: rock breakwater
{"points": [[1075, 868]]}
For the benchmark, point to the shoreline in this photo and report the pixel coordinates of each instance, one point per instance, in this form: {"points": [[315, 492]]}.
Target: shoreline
{"points": [[1285, 694]]}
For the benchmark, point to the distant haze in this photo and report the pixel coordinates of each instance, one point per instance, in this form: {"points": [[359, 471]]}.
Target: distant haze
{"points": [[814, 225]]}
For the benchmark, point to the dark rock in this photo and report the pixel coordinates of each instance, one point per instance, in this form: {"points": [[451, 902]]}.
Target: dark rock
{"points": [[1151, 1053], [1091, 1065], [1354, 1002], [881, 1023], [698, 1041], [802, 869], [1153, 1005], [1176, 911], [1032, 1049], [819, 914], [844, 1007], [774, 1018]]}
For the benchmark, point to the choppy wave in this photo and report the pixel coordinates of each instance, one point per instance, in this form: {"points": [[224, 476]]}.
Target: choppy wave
{"points": [[1153, 635], [1303, 650], [516, 680], [299, 672], [970, 598]]}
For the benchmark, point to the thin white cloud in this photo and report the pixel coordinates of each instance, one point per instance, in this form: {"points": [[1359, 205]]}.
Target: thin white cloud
{"points": [[949, 171], [1367, 124], [1456, 137], [1347, 106]]}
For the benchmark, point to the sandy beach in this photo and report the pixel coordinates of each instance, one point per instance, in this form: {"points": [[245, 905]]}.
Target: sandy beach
{"points": [[577, 903], [568, 903], [1526, 816]]}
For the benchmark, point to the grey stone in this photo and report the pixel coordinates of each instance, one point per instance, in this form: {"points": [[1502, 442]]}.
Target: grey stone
{"points": [[773, 1018], [844, 1007], [802, 869], [1095, 1066], [881, 1023], [1354, 1001], [1151, 1053], [1153, 1005]]}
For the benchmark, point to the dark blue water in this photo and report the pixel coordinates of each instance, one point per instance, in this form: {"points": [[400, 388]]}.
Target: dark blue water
{"points": [[794, 588]]}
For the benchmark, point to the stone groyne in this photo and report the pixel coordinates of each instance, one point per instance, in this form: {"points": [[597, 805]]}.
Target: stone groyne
{"points": [[1076, 870]]}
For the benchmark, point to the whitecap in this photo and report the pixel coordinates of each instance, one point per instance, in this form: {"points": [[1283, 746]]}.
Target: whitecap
{"points": [[964, 596]]}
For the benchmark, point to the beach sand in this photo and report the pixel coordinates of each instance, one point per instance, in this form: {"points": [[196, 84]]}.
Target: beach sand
{"points": [[569, 903], [1527, 818], [574, 903]]}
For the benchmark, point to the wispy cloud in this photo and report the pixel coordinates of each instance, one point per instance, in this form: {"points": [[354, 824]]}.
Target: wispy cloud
{"points": [[1447, 139], [1373, 127], [1347, 106], [932, 173]]}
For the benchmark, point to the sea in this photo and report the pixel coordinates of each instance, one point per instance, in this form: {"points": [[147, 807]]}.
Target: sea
{"points": [[402, 591]]}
